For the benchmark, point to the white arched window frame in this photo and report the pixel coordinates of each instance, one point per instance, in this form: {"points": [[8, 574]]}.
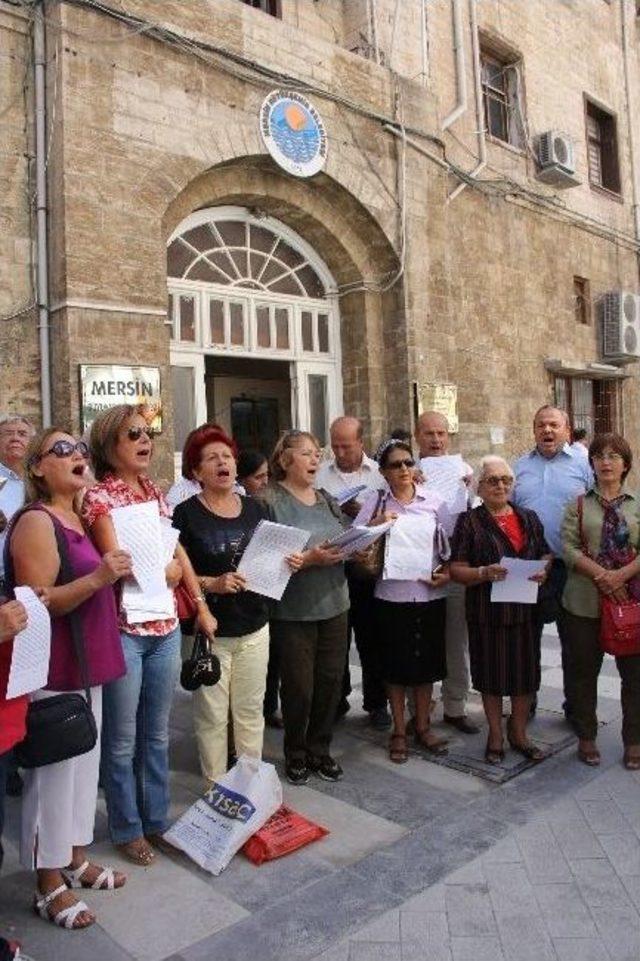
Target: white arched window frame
{"points": [[243, 317]]}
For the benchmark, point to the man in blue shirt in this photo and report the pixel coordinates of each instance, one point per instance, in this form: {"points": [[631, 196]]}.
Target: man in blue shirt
{"points": [[547, 479]]}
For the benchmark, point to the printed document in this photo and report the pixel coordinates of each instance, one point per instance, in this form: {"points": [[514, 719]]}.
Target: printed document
{"points": [[29, 669], [263, 563], [443, 475], [349, 493], [140, 607], [359, 538], [138, 531], [516, 588], [409, 548]]}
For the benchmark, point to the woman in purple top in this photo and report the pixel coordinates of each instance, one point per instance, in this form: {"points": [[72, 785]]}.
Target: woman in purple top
{"points": [[409, 615], [59, 802]]}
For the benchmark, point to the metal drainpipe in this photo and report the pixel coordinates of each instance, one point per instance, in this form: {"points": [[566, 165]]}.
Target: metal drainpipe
{"points": [[477, 85], [425, 41], [39, 53], [632, 145], [461, 74]]}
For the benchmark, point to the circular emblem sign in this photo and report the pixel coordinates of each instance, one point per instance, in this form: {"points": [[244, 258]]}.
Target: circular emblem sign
{"points": [[293, 133]]}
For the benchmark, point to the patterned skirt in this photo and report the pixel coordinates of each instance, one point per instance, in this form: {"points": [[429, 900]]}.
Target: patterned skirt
{"points": [[505, 660]]}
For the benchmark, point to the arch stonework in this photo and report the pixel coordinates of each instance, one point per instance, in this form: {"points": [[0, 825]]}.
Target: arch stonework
{"points": [[356, 251]]}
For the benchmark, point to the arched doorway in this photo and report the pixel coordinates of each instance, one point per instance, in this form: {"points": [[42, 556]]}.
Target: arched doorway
{"points": [[255, 328]]}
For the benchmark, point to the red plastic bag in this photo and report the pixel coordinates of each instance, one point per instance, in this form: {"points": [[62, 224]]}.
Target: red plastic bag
{"points": [[284, 832]]}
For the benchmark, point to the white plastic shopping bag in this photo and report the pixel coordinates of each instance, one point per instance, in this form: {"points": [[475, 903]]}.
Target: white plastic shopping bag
{"points": [[234, 808]]}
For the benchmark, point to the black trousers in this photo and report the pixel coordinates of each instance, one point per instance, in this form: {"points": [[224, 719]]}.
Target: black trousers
{"points": [[362, 622]]}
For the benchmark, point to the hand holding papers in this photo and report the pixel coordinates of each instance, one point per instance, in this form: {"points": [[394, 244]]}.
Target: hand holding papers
{"points": [[29, 669], [264, 564], [409, 549], [517, 587], [140, 606], [138, 531], [349, 493], [358, 538], [444, 475]]}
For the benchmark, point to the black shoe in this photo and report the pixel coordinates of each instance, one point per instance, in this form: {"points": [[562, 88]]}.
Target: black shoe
{"points": [[14, 784], [325, 767], [380, 719], [296, 771], [461, 723]]}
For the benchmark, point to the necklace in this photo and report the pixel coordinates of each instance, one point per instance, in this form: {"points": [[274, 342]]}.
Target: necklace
{"points": [[230, 503]]}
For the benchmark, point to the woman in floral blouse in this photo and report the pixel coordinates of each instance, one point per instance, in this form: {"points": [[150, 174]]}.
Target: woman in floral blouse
{"points": [[136, 707]]}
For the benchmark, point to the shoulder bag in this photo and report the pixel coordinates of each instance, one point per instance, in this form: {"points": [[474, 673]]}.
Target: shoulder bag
{"points": [[368, 565], [61, 726], [619, 620]]}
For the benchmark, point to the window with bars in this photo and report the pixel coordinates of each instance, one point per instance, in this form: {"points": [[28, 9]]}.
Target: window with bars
{"points": [[594, 405], [272, 7], [500, 94], [602, 148], [582, 300]]}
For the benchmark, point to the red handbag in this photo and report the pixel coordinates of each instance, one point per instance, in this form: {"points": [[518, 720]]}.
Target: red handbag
{"points": [[187, 607], [619, 620]]}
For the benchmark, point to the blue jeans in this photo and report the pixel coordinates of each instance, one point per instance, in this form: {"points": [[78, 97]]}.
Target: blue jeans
{"points": [[135, 736]]}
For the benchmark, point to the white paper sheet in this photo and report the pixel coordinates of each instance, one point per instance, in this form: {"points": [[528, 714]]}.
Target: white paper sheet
{"points": [[516, 588], [409, 548], [141, 607], [358, 538], [349, 493], [29, 669], [138, 531], [444, 476], [263, 562]]}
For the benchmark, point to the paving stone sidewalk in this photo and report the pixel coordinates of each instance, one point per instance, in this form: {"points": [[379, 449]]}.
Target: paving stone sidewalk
{"points": [[422, 862]]}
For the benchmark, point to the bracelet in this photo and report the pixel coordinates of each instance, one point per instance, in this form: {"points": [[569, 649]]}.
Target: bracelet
{"points": [[481, 573], [202, 581], [199, 599]]}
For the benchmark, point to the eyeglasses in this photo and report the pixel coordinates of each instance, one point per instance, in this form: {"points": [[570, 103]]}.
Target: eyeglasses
{"points": [[64, 448], [397, 464], [494, 481], [610, 455], [135, 433]]}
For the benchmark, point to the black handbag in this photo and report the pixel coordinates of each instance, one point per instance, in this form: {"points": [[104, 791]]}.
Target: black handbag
{"points": [[61, 726], [203, 667]]}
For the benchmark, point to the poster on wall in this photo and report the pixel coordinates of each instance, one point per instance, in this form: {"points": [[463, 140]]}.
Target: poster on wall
{"points": [[103, 386], [442, 398]]}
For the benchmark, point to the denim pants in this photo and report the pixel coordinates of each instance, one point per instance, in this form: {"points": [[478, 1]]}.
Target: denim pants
{"points": [[135, 736]]}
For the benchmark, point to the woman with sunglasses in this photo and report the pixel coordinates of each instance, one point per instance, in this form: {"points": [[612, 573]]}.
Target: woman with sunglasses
{"points": [[504, 639], [409, 615], [309, 624], [59, 801], [601, 543], [136, 736]]}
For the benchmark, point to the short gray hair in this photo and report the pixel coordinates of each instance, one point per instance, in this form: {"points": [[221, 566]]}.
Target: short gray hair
{"points": [[490, 459], [17, 419]]}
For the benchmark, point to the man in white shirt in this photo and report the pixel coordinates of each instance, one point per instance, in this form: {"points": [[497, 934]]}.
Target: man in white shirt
{"points": [[15, 433], [432, 438], [350, 467]]}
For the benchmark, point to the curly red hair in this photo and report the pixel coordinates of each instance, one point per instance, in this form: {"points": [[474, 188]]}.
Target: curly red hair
{"points": [[197, 441]]}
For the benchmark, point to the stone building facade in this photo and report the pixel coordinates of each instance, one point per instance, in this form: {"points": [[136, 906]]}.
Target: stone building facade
{"points": [[428, 252]]}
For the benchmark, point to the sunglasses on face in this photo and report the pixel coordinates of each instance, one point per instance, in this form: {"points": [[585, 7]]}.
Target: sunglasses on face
{"points": [[397, 464], [135, 433], [495, 481], [65, 448]]}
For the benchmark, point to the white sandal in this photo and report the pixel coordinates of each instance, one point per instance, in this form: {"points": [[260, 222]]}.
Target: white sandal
{"points": [[65, 918], [104, 882]]}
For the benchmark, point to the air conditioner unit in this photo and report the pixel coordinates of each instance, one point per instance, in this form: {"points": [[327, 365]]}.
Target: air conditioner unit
{"points": [[556, 157], [619, 313]]}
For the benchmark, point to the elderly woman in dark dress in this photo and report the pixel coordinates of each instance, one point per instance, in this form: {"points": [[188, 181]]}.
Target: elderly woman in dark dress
{"points": [[504, 638]]}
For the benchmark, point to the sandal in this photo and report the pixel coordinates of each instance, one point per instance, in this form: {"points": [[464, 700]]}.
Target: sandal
{"points": [[107, 879], [589, 755], [67, 917], [527, 749], [398, 755], [160, 842], [138, 852], [631, 761], [493, 755], [431, 743]]}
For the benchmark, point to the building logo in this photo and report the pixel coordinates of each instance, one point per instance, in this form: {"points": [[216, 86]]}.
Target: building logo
{"points": [[293, 133]]}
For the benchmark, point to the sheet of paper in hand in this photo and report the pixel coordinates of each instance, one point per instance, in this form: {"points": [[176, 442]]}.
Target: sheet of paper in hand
{"points": [[29, 669], [516, 588], [138, 531], [359, 538], [443, 475], [409, 548], [263, 562], [349, 493], [140, 607]]}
